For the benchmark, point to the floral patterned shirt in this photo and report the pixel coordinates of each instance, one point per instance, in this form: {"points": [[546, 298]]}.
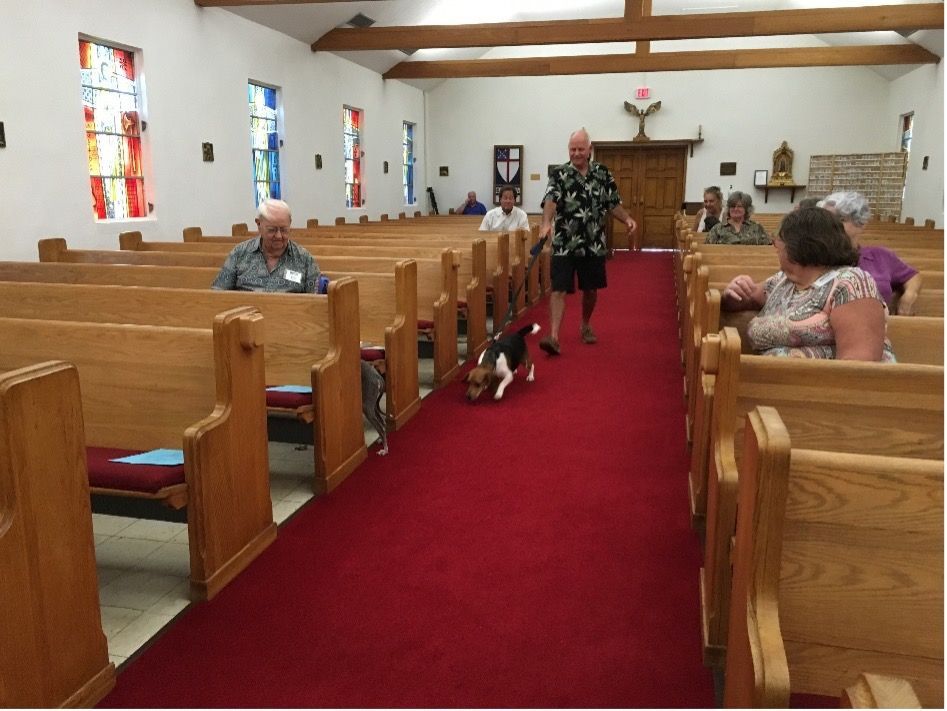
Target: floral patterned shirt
{"points": [[750, 233], [245, 270], [582, 204], [797, 323]]}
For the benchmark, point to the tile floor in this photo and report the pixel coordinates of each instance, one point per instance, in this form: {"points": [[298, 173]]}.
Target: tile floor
{"points": [[143, 565]]}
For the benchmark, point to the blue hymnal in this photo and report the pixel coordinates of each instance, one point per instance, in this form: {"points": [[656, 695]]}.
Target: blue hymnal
{"points": [[291, 389], [157, 457]]}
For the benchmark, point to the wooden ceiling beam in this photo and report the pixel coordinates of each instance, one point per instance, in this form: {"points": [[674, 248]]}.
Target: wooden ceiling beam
{"points": [[667, 62], [659, 27]]}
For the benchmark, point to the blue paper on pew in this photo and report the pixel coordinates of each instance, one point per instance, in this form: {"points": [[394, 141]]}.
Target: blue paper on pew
{"points": [[307, 389], [156, 457]]}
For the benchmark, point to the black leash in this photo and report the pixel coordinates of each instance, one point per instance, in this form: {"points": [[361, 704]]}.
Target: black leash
{"points": [[534, 251]]}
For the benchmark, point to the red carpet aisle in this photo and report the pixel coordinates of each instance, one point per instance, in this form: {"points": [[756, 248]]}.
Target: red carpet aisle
{"points": [[534, 552]]}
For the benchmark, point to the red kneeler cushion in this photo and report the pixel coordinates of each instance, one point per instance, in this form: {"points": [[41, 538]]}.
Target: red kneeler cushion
{"points": [[289, 401], [426, 329], [128, 477], [372, 354]]}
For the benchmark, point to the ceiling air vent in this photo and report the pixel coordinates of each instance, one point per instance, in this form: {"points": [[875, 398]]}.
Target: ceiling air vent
{"points": [[361, 20]]}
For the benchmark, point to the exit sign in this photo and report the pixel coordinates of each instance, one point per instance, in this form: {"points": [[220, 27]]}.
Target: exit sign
{"points": [[642, 92]]}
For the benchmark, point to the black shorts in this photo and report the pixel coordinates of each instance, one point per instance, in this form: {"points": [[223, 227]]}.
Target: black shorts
{"points": [[590, 270]]}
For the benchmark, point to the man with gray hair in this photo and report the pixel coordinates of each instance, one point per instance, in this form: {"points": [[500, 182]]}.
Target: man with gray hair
{"points": [[272, 261], [580, 194]]}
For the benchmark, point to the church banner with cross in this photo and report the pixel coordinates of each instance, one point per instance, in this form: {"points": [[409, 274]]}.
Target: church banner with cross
{"points": [[507, 170]]}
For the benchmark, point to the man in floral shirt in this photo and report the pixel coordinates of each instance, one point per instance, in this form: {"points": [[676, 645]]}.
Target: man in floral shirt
{"points": [[580, 194]]}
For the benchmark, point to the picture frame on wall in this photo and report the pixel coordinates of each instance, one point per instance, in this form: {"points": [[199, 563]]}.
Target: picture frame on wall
{"points": [[760, 178], [508, 170]]}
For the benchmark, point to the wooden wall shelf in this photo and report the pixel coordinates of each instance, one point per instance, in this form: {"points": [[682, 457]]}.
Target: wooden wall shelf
{"points": [[791, 188]]}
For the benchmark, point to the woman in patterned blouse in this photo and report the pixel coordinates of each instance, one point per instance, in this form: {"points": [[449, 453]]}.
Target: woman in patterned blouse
{"points": [[735, 226], [820, 305]]}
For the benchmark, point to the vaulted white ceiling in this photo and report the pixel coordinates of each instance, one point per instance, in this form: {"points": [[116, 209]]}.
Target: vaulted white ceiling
{"points": [[307, 22]]}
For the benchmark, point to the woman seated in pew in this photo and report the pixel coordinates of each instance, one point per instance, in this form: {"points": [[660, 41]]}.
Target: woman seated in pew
{"points": [[890, 273], [735, 226], [709, 214], [820, 305]]}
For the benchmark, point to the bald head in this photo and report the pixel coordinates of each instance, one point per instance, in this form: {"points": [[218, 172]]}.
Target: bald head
{"points": [[580, 149], [581, 135]]}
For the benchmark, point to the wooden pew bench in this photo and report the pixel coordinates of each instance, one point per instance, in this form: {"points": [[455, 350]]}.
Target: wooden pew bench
{"points": [[53, 651], [846, 406], [312, 340], [838, 566], [495, 274], [916, 340], [195, 389], [437, 280]]}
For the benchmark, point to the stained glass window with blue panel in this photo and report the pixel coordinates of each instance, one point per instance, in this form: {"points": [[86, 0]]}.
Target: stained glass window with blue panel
{"points": [[407, 150], [264, 141]]}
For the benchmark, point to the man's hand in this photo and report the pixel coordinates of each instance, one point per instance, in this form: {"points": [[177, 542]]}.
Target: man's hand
{"points": [[631, 225]]}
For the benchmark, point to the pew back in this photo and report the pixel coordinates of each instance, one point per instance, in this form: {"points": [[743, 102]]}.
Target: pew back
{"points": [[838, 567], [52, 650]]}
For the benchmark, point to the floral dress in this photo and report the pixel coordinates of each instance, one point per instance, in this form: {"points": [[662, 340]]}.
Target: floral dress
{"points": [[797, 322]]}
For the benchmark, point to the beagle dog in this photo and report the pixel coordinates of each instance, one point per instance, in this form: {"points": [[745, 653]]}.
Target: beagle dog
{"points": [[499, 362]]}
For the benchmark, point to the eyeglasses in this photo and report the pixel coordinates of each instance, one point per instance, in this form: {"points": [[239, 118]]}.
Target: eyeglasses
{"points": [[272, 231]]}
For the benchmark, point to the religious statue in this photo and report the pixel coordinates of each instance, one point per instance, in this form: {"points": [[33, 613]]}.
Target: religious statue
{"points": [[634, 110], [782, 166]]}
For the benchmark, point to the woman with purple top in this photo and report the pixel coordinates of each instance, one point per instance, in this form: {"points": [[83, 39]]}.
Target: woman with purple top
{"points": [[890, 273]]}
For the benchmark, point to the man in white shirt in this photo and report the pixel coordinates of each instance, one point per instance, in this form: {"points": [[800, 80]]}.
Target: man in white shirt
{"points": [[507, 217]]}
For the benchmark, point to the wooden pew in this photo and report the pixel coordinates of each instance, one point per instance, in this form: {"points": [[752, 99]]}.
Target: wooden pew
{"points": [[916, 339], [845, 406], [312, 340], [52, 651], [196, 389], [876, 691], [495, 275], [920, 258], [838, 565], [436, 297], [380, 304]]}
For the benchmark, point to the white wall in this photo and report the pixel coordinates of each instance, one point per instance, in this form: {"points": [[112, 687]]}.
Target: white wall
{"points": [[922, 91], [196, 63], [745, 115]]}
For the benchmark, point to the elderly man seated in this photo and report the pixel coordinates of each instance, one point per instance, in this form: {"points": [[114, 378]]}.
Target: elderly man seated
{"points": [[272, 261]]}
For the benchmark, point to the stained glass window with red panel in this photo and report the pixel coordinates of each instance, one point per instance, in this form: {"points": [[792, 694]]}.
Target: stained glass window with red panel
{"points": [[352, 154], [110, 102]]}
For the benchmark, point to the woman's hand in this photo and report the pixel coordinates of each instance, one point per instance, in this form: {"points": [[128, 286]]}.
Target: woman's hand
{"points": [[911, 289], [742, 294]]}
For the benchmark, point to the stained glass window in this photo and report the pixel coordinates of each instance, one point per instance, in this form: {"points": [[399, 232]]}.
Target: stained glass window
{"points": [[264, 140], [351, 150], [407, 150], [113, 130]]}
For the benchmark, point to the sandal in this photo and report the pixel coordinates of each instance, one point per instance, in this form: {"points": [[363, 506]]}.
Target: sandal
{"points": [[549, 345]]}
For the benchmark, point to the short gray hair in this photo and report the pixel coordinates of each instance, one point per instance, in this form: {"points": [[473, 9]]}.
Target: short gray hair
{"points": [[269, 206], [849, 206], [739, 197]]}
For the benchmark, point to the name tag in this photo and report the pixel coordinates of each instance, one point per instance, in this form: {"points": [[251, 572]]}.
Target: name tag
{"points": [[295, 277]]}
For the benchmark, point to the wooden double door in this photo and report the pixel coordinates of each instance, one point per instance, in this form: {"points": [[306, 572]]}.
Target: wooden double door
{"points": [[650, 178]]}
